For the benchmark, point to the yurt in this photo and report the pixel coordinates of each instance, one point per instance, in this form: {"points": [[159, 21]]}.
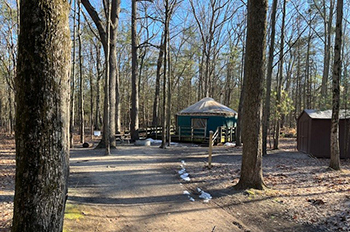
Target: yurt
{"points": [[204, 116]]}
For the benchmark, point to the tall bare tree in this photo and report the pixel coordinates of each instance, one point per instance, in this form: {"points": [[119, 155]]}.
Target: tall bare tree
{"points": [[102, 31], [107, 103], [134, 113], [81, 80], [42, 118], [165, 69], [266, 112], [156, 100], [251, 170], [72, 93], [279, 81], [210, 18], [335, 152], [328, 23]]}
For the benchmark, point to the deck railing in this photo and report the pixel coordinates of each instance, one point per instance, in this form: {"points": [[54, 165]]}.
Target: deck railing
{"points": [[221, 134], [191, 132]]}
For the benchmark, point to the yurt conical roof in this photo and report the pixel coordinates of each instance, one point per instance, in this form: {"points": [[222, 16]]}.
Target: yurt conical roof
{"points": [[207, 106]]}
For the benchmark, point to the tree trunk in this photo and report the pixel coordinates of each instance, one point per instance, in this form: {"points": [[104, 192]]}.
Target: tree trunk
{"points": [[118, 114], [81, 82], [240, 105], [134, 76], [155, 119], [266, 111], [168, 123], [10, 111], [251, 171], [240, 119], [201, 78], [72, 92], [106, 109], [113, 69], [42, 118], [327, 51], [112, 36], [307, 88], [165, 44], [99, 75], [91, 93], [279, 82], [335, 152]]}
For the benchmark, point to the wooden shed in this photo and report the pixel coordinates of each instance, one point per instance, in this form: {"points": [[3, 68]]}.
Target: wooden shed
{"points": [[203, 116], [314, 129]]}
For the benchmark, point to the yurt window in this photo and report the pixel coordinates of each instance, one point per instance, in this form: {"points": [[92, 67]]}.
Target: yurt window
{"points": [[199, 123]]}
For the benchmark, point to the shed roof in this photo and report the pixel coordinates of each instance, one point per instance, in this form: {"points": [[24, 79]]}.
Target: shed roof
{"points": [[207, 106], [326, 114]]}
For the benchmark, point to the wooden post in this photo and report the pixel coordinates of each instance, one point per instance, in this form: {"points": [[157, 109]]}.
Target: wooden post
{"points": [[191, 133], [210, 148], [226, 135]]}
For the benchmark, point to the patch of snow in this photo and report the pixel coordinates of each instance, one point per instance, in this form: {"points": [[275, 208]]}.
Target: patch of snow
{"points": [[142, 143], [182, 171], [188, 195], [156, 141], [183, 174], [185, 177], [227, 144], [205, 196]]}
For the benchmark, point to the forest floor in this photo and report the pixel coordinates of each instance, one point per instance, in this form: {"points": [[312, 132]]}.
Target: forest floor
{"points": [[140, 189]]}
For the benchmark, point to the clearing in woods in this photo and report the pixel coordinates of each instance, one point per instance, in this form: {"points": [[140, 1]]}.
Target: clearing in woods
{"points": [[140, 189]]}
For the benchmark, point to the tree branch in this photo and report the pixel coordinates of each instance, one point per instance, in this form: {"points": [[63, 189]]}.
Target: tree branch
{"points": [[97, 20]]}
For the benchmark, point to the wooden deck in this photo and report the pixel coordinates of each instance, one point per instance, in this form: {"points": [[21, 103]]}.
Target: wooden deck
{"points": [[190, 134]]}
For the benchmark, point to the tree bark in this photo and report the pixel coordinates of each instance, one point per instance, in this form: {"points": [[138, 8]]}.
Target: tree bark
{"points": [[72, 92], [168, 123], [42, 116], [106, 114], [279, 82], [266, 111], [91, 92], [335, 151], [156, 100], [165, 69], [99, 75], [327, 51], [241, 93], [113, 69], [134, 75], [251, 171], [307, 88], [81, 82]]}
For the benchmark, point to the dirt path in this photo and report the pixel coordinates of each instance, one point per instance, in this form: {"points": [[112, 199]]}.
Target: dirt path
{"points": [[136, 189]]}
